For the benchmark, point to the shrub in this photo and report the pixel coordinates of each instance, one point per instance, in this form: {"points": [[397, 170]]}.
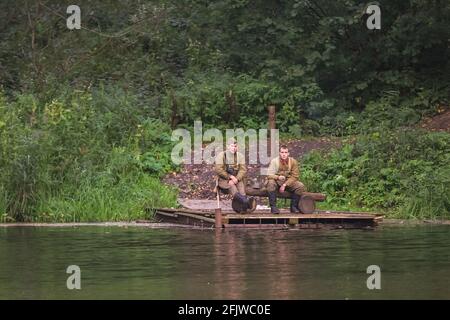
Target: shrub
{"points": [[80, 151], [405, 171]]}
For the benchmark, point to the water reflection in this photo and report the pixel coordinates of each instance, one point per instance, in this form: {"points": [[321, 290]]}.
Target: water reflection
{"points": [[139, 263], [228, 266], [255, 264]]}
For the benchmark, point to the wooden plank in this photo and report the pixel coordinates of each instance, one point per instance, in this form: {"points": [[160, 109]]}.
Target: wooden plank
{"points": [[172, 210], [257, 226], [195, 216], [167, 214], [299, 226], [349, 212], [300, 216], [187, 219], [205, 204]]}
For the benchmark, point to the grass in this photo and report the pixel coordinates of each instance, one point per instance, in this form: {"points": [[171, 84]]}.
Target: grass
{"points": [[93, 202], [427, 204], [3, 204], [326, 205]]}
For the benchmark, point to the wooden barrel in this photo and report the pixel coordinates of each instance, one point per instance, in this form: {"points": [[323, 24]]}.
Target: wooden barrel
{"points": [[307, 204]]}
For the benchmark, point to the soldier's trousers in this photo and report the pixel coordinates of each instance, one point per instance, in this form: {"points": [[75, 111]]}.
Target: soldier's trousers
{"points": [[239, 187], [295, 187]]}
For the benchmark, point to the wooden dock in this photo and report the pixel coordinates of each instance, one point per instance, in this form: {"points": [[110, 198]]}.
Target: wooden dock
{"points": [[263, 219]]}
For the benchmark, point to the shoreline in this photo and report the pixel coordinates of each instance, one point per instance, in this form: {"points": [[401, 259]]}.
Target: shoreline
{"points": [[144, 223], [160, 225]]}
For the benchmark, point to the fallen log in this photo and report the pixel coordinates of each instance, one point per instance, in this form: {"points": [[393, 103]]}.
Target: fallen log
{"points": [[263, 193]]}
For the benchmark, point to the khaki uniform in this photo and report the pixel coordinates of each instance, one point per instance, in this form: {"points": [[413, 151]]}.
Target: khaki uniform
{"points": [[235, 161], [290, 171]]}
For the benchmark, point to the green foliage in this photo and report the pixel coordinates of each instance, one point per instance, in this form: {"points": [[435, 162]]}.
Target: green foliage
{"points": [[404, 170], [226, 101], [102, 100], [80, 150], [153, 145], [106, 199], [313, 60]]}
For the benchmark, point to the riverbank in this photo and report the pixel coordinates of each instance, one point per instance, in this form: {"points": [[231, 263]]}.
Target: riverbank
{"points": [[384, 172], [142, 224]]}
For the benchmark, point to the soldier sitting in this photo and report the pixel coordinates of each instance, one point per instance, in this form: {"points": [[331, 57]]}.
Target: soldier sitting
{"points": [[231, 173], [283, 175]]}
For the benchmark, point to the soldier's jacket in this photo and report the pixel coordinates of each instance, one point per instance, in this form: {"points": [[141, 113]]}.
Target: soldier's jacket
{"points": [[235, 161], [290, 171]]}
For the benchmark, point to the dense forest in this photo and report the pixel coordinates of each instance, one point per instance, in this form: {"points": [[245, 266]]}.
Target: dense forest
{"points": [[86, 115]]}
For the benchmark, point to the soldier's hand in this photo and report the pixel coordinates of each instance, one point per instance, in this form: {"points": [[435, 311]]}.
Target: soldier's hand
{"points": [[281, 178], [282, 188], [231, 182], [234, 179]]}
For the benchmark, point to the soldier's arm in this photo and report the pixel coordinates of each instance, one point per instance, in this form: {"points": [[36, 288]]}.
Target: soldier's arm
{"points": [[219, 168], [294, 174], [271, 171]]}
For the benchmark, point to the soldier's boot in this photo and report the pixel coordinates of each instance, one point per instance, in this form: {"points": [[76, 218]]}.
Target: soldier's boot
{"points": [[273, 202], [295, 199], [251, 204]]}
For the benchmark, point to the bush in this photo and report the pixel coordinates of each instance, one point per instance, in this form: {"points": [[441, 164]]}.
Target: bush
{"points": [[77, 151], [404, 171]]}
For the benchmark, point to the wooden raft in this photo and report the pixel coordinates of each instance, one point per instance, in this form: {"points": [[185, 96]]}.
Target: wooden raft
{"points": [[263, 219]]}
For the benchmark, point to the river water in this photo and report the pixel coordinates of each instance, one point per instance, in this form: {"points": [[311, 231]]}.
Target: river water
{"points": [[141, 263]]}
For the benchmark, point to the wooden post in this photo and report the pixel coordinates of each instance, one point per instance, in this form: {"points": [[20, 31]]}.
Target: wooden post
{"points": [[272, 117], [217, 194], [272, 125], [218, 218]]}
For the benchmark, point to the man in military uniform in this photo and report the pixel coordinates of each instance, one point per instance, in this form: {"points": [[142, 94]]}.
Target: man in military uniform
{"points": [[231, 171], [283, 175]]}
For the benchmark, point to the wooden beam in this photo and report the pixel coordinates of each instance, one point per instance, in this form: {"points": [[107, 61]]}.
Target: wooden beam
{"points": [[272, 117], [263, 193]]}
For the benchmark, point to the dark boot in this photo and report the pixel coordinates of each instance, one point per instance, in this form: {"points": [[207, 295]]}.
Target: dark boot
{"points": [[273, 202], [251, 204], [294, 203]]}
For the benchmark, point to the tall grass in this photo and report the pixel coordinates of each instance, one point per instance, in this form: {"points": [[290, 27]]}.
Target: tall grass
{"points": [[82, 156], [129, 200], [3, 204], [429, 199]]}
